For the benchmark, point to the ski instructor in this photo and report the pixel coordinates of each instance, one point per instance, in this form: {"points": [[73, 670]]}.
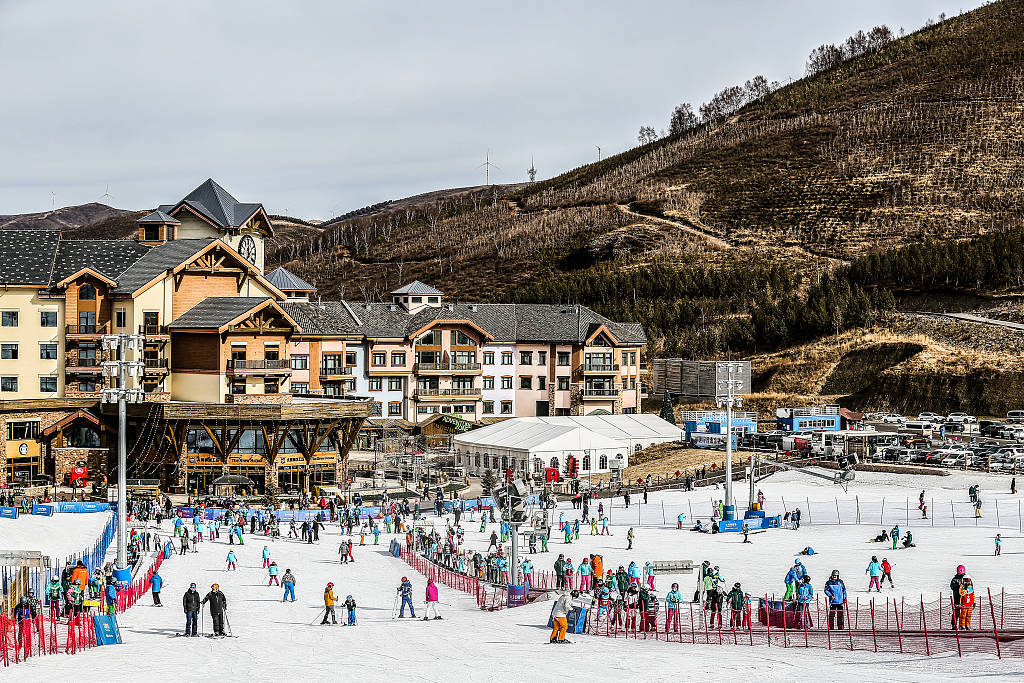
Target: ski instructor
{"points": [[190, 601], [218, 606]]}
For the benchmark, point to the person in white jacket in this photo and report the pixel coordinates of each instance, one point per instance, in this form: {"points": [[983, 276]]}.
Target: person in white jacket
{"points": [[559, 616]]}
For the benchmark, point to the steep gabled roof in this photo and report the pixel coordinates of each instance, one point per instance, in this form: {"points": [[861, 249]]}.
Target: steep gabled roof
{"points": [[158, 260], [417, 287], [216, 204], [284, 279], [110, 258], [330, 318], [218, 311], [158, 216]]}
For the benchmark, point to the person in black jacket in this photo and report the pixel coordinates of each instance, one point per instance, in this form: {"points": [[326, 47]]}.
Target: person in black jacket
{"points": [[218, 606], [190, 601]]}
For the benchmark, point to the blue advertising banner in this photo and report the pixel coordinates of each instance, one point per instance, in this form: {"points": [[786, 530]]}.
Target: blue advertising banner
{"points": [[44, 510], [107, 632], [8, 513], [83, 507]]}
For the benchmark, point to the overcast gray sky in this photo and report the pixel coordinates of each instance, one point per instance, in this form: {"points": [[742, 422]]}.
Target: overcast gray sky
{"points": [[315, 108]]}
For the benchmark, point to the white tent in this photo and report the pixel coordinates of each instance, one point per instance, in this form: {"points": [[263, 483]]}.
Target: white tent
{"points": [[528, 444]]}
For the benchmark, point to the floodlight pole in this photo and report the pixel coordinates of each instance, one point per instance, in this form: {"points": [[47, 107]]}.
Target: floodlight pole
{"points": [[728, 399]]}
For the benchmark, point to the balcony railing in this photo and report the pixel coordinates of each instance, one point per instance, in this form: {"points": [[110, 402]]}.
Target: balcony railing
{"points": [[86, 329], [93, 363], [335, 372], [448, 393], [153, 330], [155, 363], [446, 367], [601, 393], [600, 367], [260, 364]]}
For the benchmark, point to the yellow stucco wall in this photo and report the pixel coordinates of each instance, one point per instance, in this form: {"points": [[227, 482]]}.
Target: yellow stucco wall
{"points": [[29, 334]]}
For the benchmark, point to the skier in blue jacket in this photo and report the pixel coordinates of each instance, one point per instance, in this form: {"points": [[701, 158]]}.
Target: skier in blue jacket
{"points": [[110, 593], [406, 591], [835, 589], [804, 595], [793, 577], [157, 582]]}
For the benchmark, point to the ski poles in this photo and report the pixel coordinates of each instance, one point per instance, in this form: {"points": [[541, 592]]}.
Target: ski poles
{"points": [[228, 622], [323, 611]]}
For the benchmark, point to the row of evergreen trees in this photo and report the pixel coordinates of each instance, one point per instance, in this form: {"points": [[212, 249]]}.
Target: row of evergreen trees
{"points": [[700, 311]]}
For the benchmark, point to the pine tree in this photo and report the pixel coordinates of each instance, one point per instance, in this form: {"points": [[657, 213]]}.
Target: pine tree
{"points": [[489, 481], [667, 413], [270, 494]]}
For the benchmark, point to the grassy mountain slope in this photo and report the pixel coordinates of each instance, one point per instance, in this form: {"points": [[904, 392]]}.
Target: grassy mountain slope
{"points": [[64, 218], [920, 141]]}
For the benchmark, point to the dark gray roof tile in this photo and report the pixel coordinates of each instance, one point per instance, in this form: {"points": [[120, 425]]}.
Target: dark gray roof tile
{"points": [[284, 279], [215, 311], [158, 260], [27, 256]]}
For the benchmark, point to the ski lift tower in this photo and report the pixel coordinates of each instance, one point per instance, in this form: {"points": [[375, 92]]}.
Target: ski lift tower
{"points": [[729, 394]]}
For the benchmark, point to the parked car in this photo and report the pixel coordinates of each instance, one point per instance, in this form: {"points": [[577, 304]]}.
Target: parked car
{"points": [[961, 418], [934, 418], [893, 419], [1015, 417], [989, 427]]}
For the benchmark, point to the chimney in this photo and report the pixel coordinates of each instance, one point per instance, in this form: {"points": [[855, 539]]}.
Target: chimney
{"points": [[393, 307], [473, 308]]}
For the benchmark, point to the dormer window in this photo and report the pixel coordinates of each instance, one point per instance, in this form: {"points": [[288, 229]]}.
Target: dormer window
{"points": [[433, 299], [87, 293], [152, 233]]}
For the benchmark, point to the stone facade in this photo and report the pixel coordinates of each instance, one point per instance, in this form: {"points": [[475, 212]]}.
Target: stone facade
{"points": [[96, 459]]}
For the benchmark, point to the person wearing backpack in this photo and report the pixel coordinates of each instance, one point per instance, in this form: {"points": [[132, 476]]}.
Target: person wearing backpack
{"points": [[966, 602]]}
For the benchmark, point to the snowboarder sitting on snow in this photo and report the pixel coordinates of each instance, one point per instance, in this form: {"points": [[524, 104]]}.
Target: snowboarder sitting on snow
{"points": [[807, 551], [882, 537], [218, 606], [908, 542], [698, 527]]}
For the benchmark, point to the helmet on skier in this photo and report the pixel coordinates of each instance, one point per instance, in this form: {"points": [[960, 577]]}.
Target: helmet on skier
{"points": [[348, 597], [960, 569], [797, 561], [192, 585], [835, 573], [330, 584], [736, 585], [215, 586], [575, 594]]}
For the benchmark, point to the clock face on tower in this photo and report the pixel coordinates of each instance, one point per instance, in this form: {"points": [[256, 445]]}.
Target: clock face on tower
{"points": [[247, 248]]}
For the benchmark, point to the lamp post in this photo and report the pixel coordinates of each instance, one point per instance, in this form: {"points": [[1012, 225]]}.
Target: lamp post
{"points": [[728, 399], [122, 369]]}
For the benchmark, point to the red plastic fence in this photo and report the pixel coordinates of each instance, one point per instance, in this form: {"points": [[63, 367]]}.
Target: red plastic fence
{"points": [[995, 625], [448, 577], [49, 633]]}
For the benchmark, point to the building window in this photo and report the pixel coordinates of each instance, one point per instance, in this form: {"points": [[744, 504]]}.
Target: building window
{"points": [[379, 359], [526, 357], [8, 383], [394, 407], [460, 338], [394, 383], [433, 299], [87, 293], [397, 358], [506, 382], [271, 385], [87, 386], [585, 466], [21, 431], [488, 357], [238, 387], [271, 353], [349, 384], [488, 407], [47, 385], [562, 358], [300, 387], [151, 233], [120, 318], [489, 382], [542, 358], [541, 382], [506, 407], [9, 318], [553, 464], [525, 382], [350, 358], [300, 362], [376, 383], [9, 351], [506, 358], [417, 299], [563, 384], [603, 463], [632, 382], [47, 319]]}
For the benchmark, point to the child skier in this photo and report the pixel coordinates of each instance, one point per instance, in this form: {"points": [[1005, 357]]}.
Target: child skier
{"points": [[405, 590], [272, 573], [350, 605], [232, 560], [886, 572], [999, 544], [266, 556], [672, 602], [966, 602], [874, 570]]}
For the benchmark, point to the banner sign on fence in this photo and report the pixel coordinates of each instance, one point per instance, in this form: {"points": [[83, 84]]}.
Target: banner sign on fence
{"points": [[8, 513], [107, 632], [44, 510], [83, 507], [395, 548]]}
